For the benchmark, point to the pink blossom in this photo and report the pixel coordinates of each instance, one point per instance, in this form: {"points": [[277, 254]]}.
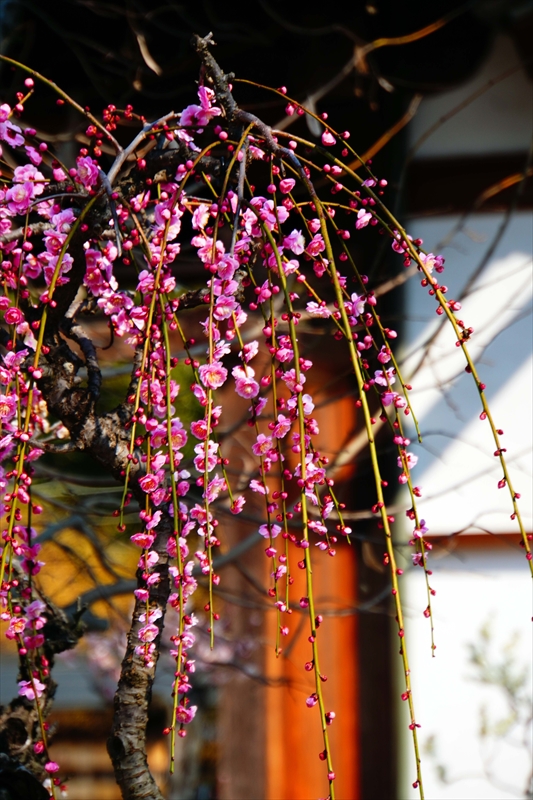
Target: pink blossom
{"points": [[34, 612], [199, 392], [153, 579], [19, 197], [111, 302], [153, 615], [184, 714], [17, 626], [33, 154], [178, 434], [243, 373], [319, 267], [51, 766], [167, 215], [158, 435], [287, 185], [9, 132], [214, 487], [52, 264], [357, 306], [328, 140], [199, 429], [284, 354], [146, 652], [149, 482], [385, 377], [198, 116], [30, 565], [205, 251], [145, 282], [318, 527], [363, 218], [258, 486], [399, 245], [263, 292], [227, 267], [148, 633], [246, 387], [27, 172], [316, 245], [13, 316], [224, 307], [318, 309], [262, 445], [54, 241], [221, 349], [200, 217], [63, 220], [256, 152], [213, 375], [388, 398], [410, 459], [148, 560], [290, 380], [200, 514], [143, 540], [290, 266], [282, 427], [31, 690], [267, 214], [200, 460], [34, 641], [258, 406], [249, 351], [8, 406], [420, 530], [87, 171], [237, 505], [432, 262], [268, 531], [384, 355], [307, 403]]}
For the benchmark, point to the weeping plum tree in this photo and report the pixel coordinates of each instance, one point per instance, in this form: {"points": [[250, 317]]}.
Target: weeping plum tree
{"points": [[269, 248]]}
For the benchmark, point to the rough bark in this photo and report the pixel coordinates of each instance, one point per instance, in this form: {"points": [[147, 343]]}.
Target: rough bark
{"points": [[19, 721], [127, 743], [106, 439]]}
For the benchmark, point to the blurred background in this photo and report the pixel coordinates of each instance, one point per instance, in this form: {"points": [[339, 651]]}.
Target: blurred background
{"points": [[439, 96]]}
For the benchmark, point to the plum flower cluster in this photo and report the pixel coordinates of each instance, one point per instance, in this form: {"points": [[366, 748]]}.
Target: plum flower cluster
{"points": [[158, 436], [87, 241]]}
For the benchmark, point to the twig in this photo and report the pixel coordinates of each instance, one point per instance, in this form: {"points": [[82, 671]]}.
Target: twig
{"points": [[34, 227], [109, 191], [124, 154], [66, 97], [94, 377]]}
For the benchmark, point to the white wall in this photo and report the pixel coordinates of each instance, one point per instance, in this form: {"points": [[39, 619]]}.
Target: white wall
{"points": [[473, 588], [457, 470], [501, 119]]}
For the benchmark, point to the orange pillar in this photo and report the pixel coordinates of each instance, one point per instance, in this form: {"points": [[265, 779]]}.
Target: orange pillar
{"points": [[293, 731]]}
